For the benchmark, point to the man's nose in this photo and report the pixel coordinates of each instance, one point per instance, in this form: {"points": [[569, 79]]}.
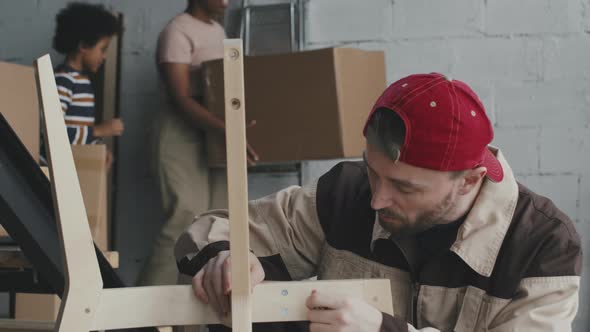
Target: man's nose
{"points": [[381, 197]]}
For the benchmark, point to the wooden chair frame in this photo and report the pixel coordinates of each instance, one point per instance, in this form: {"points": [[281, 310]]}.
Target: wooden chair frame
{"points": [[86, 306]]}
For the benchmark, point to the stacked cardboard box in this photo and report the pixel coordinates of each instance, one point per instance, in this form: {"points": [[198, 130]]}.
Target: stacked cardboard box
{"points": [[18, 93], [20, 107], [308, 105], [90, 163], [91, 167]]}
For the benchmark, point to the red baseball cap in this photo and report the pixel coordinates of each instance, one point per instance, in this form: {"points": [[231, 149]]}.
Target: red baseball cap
{"points": [[446, 127]]}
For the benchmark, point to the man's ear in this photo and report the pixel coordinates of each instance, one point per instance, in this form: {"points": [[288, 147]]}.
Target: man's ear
{"points": [[471, 178]]}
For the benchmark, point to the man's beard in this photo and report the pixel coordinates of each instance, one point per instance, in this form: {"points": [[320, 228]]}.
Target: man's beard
{"points": [[402, 226]]}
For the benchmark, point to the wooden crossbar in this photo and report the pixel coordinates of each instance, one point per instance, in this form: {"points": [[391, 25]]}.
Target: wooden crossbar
{"points": [[86, 306]]}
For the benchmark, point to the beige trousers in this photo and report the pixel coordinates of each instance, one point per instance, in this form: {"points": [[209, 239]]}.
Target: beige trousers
{"points": [[188, 187]]}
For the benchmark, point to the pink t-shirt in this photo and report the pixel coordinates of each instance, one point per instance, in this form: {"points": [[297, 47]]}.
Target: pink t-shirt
{"points": [[188, 40]]}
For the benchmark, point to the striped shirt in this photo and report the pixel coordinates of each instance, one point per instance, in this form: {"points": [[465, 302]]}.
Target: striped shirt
{"points": [[77, 102]]}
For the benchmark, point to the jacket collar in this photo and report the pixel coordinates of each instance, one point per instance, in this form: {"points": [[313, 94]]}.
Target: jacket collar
{"points": [[481, 235]]}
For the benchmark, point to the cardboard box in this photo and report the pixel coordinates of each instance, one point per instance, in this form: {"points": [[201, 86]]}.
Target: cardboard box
{"points": [[90, 163], [307, 105], [36, 307], [91, 175], [20, 107]]}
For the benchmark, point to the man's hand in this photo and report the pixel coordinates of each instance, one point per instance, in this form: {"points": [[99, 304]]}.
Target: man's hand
{"points": [[341, 314], [212, 284]]}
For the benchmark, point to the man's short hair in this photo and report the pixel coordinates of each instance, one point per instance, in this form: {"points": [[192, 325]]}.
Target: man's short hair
{"points": [[83, 24], [386, 131]]}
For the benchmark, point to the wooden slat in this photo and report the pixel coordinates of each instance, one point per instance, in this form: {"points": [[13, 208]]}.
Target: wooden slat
{"points": [[235, 131], [83, 280], [176, 305]]}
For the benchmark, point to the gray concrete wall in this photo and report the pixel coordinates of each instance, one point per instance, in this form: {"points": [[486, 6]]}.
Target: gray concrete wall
{"points": [[527, 59]]}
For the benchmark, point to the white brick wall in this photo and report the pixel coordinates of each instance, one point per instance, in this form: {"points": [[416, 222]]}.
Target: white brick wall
{"points": [[144, 23], [584, 208], [40, 43], [24, 11], [533, 16], [584, 201], [556, 104], [563, 57], [11, 29], [520, 147], [513, 59], [426, 18], [348, 20], [417, 56], [141, 74], [560, 150]]}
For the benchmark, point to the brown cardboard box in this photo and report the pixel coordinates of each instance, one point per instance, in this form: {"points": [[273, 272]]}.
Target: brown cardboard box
{"points": [[90, 163], [91, 169], [37, 307], [307, 105], [18, 93]]}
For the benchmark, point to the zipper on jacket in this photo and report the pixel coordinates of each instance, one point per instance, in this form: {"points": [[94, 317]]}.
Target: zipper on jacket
{"points": [[415, 294], [413, 305]]}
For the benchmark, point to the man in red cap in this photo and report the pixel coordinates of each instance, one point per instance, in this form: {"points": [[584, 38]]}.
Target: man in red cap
{"points": [[432, 207]]}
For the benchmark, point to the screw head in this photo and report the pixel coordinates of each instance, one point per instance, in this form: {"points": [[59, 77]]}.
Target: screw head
{"points": [[235, 103], [234, 54]]}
